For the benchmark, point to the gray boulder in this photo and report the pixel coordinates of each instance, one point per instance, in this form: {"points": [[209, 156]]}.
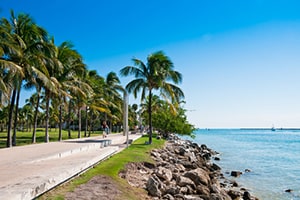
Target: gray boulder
{"points": [[164, 173], [183, 181], [153, 186], [198, 176]]}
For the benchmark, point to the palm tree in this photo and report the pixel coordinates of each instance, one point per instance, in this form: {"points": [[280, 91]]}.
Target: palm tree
{"points": [[154, 76], [79, 91], [28, 39], [34, 101], [68, 73], [132, 116], [98, 101], [8, 68], [26, 116], [112, 89], [3, 117]]}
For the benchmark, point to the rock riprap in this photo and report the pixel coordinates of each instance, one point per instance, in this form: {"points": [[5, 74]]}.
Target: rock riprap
{"points": [[183, 171]]}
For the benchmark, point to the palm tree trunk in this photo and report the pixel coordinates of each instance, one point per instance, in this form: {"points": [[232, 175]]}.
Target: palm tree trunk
{"points": [[27, 123], [91, 124], [150, 116], [14, 138], [33, 139], [86, 120], [10, 116], [79, 121], [47, 116], [60, 124], [69, 120], [110, 125]]}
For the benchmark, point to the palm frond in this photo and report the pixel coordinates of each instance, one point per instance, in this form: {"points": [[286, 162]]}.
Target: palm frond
{"points": [[134, 86], [99, 108], [13, 67]]}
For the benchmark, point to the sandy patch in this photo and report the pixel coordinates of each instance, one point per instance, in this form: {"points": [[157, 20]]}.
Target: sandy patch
{"points": [[99, 187]]}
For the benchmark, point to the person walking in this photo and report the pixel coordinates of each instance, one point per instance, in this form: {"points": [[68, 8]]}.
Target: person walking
{"points": [[105, 129]]}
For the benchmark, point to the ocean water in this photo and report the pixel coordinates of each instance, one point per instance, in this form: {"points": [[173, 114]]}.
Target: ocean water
{"points": [[272, 156]]}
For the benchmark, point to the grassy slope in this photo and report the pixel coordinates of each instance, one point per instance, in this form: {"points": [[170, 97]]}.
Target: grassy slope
{"points": [[137, 152]]}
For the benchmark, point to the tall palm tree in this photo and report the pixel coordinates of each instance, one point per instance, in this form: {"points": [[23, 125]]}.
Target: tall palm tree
{"points": [[154, 76], [97, 101], [79, 91], [28, 38], [9, 70], [112, 89], [67, 74], [3, 118], [25, 117], [34, 101]]}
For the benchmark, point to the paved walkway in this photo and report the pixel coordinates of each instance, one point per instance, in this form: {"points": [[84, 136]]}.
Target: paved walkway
{"points": [[28, 171]]}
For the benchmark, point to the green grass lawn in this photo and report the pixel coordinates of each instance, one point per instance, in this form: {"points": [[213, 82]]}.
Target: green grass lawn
{"points": [[24, 138], [138, 151]]}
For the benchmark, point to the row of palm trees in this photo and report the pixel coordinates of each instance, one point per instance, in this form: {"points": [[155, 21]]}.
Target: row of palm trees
{"points": [[30, 59]]}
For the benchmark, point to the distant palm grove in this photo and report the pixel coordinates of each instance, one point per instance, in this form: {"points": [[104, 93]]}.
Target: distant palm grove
{"points": [[68, 96]]}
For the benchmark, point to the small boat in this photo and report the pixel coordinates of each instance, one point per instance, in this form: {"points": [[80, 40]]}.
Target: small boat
{"points": [[273, 128]]}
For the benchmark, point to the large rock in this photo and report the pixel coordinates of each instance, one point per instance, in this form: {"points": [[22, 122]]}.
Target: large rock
{"points": [[153, 186], [215, 167], [202, 189], [191, 157], [155, 154], [206, 154], [172, 190], [234, 194], [164, 173], [168, 197], [192, 197], [246, 195], [219, 196], [181, 151], [236, 173], [188, 164], [183, 181], [179, 168], [198, 176]]}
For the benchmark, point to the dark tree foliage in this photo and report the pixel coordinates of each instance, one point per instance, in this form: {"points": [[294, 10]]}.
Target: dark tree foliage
{"points": [[167, 122]]}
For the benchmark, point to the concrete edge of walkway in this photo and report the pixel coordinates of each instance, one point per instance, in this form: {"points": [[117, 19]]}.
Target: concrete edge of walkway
{"points": [[50, 184], [62, 162], [80, 149], [47, 183]]}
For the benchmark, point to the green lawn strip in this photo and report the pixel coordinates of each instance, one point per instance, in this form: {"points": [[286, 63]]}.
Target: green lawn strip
{"points": [[138, 151], [24, 138]]}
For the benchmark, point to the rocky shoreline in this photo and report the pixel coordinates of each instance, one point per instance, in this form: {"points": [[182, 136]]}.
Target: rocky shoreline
{"points": [[183, 170]]}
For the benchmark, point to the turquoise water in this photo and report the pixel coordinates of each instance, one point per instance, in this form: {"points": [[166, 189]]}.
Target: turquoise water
{"points": [[272, 156]]}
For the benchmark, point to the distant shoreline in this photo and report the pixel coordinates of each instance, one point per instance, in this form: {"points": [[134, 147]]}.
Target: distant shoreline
{"points": [[279, 129], [276, 129]]}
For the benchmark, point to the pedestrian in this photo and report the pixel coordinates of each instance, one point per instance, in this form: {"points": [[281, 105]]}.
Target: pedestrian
{"points": [[105, 129]]}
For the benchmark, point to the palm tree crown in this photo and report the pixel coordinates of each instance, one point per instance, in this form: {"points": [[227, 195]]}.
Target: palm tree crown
{"points": [[156, 74]]}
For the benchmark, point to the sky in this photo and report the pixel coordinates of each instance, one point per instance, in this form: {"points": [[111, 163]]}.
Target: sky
{"points": [[240, 60]]}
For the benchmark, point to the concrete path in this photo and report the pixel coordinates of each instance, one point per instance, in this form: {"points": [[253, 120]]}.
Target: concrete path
{"points": [[28, 171]]}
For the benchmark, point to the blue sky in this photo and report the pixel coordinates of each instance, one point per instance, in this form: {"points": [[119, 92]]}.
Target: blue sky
{"points": [[239, 59]]}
